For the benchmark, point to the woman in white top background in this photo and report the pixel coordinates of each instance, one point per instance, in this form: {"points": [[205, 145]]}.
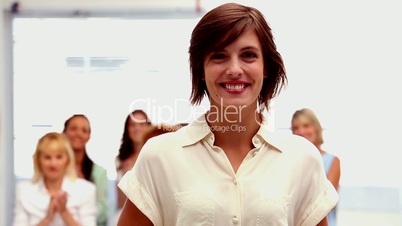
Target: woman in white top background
{"points": [[55, 196], [305, 123], [226, 167]]}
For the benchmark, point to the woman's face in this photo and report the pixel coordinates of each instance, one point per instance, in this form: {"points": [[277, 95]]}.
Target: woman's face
{"points": [[137, 124], [78, 132], [234, 75], [53, 162], [304, 128]]}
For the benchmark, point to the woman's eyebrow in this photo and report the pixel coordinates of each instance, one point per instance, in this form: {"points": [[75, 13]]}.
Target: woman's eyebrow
{"points": [[250, 48]]}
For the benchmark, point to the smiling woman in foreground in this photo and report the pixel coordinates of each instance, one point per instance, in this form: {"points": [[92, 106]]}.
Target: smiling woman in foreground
{"points": [[226, 168]]}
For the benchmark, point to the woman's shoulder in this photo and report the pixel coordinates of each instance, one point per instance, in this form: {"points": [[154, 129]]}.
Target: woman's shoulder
{"points": [[98, 173], [287, 142], [329, 155], [171, 139], [117, 162], [79, 187], [96, 168], [84, 183], [26, 186], [161, 147], [293, 145]]}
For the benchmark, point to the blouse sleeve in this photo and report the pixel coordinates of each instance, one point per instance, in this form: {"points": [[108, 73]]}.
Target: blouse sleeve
{"points": [[318, 196], [139, 185], [20, 215]]}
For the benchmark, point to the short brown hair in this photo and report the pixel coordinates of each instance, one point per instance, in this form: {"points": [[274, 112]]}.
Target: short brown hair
{"points": [[222, 26]]}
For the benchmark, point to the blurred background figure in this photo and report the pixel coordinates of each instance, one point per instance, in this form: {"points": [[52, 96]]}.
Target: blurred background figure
{"points": [[306, 124], [77, 129], [148, 133], [55, 196], [136, 123]]}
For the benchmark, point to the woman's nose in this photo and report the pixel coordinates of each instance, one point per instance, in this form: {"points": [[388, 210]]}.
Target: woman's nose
{"points": [[234, 68]]}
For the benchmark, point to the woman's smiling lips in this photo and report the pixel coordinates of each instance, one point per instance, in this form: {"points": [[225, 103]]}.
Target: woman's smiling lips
{"points": [[235, 88]]}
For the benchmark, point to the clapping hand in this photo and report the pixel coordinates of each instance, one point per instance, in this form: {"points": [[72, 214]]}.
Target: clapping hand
{"points": [[57, 204], [62, 200], [53, 208]]}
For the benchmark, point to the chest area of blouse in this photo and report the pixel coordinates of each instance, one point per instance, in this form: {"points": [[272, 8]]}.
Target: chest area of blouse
{"points": [[208, 190], [38, 207], [36, 203]]}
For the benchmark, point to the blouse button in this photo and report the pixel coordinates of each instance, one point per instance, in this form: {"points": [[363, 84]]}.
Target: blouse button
{"points": [[235, 220], [235, 181]]}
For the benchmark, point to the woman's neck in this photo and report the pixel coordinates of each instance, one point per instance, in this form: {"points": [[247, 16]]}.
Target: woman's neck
{"points": [[136, 148], [53, 186], [79, 156], [320, 149], [228, 124]]}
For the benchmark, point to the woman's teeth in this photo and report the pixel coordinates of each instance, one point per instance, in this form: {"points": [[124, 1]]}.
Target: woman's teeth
{"points": [[234, 87]]}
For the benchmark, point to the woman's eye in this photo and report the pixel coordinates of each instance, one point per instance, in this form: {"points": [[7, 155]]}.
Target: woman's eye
{"points": [[249, 55], [46, 157], [218, 56]]}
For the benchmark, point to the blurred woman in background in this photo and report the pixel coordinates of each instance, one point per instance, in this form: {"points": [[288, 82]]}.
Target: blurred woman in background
{"points": [[55, 196], [78, 131], [306, 124], [136, 123]]}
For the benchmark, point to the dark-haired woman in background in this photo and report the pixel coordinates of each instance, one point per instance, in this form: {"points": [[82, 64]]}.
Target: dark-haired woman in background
{"points": [[135, 125], [78, 130]]}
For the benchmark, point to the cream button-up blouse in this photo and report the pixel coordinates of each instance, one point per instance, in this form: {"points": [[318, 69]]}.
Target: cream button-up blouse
{"points": [[182, 179]]}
